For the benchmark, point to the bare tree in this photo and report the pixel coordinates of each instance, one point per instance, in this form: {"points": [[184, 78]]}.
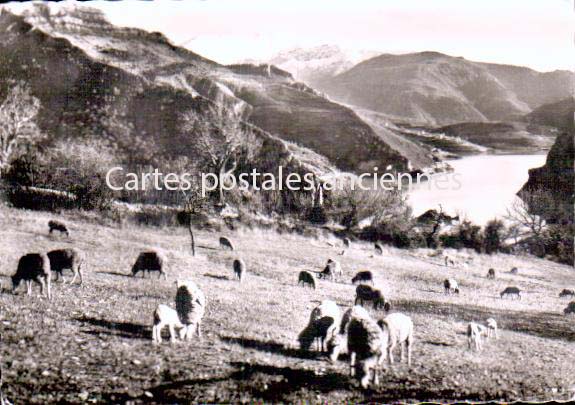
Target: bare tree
{"points": [[17, 121], [221, 135], [523, 219]]}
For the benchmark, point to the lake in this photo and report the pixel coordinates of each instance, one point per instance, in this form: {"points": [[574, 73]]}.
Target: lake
{"points": [[482, 188]]}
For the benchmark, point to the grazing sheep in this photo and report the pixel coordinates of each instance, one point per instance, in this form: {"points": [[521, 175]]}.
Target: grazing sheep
{"points": [[324, 319], [67, 259], [449, 261], [190, 306], [474, 332], [33, 267], [451, 286], [364, 292], [570, 309], [399, 329], [346, 242], [378, 249], [166, 316], [514, 270], [305, 277], [151, 260], [491, 328], [331, 270], [226, 244], [491, 274], [367, 345], [362, 276], [58, 226], [239, 269], [511, 291], [566, 292]]}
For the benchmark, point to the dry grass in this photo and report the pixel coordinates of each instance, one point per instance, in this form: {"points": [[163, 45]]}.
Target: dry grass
{"points": [[94, 343]]}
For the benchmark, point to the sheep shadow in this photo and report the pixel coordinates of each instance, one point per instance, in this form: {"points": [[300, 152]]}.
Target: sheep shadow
{"points": [[216, 276], [115, 273], [285, 381], [272, 347], [113, 328], [543, 324]]}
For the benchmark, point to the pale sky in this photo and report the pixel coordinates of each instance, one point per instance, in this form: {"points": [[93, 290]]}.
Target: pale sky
{"points": [[534, 33]]}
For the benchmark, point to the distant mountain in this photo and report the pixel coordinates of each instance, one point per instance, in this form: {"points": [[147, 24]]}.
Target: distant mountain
{"points": [[86, 72], [314, 65], [431, 88], [559, 114]]}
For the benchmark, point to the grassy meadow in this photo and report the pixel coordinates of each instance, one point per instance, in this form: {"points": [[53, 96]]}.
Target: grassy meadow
{"points": [[92, 343]]}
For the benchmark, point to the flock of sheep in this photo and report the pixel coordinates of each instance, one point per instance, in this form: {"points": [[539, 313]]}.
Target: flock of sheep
{"points": [[368, 342]]}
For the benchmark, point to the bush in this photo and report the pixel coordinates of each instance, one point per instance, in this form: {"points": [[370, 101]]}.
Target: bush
{"points": [[493, 236], [69, 175], [466, 235]]}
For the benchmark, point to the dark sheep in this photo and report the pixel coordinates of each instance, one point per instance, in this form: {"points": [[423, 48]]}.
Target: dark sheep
{"points": [[67, 259], [378, 249], [511, 291], [239, 269], [226, 244], [366, 293], [58, 226], [33, 267], [346, 242], [566, 292], [570, 309], [305, 277], [491, 274], [362, 276], [149, 261], [514, 270]]}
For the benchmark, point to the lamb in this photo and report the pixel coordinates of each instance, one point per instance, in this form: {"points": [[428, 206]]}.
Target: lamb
{"points": [[399, 329], [364, 292], [491, 274], [239, 269], [190, 306], [70, 258], [335, 266], [151, 260], [514, 270], [451, 286], [378, 248], [362, 276], [58, 226], [474, 332], [491, 328], [449, 261], [570, 309], [566, 292], [511, 291], [33, 267], [305, 277], [324, 319], [166, 316], [226, 244]]}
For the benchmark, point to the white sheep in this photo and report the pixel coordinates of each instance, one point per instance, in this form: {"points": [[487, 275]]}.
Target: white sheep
{"points": [[450, 285], [491, 328], [474, 332], [399, 329], [190, 306], [323, 320], [166, 316], [449, 261]]}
